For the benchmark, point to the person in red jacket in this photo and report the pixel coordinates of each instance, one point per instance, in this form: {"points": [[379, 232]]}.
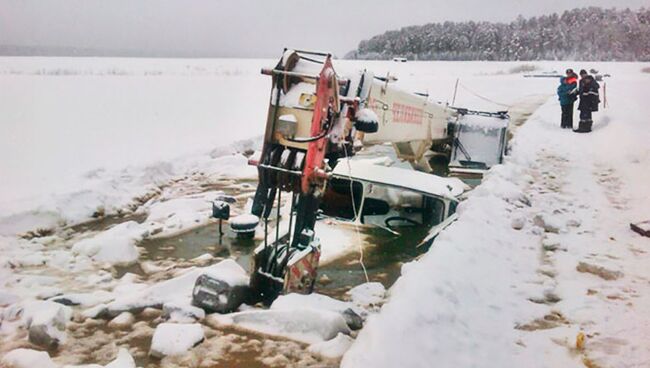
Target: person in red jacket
{"points": [[568, 94]]}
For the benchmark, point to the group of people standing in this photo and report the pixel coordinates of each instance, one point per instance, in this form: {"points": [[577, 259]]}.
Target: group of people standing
{"points": [[570, 89]]}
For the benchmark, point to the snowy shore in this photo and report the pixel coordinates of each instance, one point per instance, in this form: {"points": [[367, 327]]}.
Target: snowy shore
{"points": [[541, 269]]}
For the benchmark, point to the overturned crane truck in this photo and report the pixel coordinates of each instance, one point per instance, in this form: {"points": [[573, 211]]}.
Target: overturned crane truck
{"points": [[316, 117]]}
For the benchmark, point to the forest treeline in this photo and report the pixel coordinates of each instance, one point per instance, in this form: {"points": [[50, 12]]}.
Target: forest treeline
{"points": [[580, 34]]}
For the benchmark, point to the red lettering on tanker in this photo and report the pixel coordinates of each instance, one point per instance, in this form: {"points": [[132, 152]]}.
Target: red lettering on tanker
{"points": [[402, 114], [406, 114]]}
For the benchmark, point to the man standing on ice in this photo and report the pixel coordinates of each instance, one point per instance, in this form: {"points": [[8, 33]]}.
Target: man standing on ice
{"points": [[566, 92], [589, 100]]}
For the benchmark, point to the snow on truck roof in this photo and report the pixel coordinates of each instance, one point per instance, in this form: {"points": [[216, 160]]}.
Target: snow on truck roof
{"points": [[483, 122], [399, 177]]}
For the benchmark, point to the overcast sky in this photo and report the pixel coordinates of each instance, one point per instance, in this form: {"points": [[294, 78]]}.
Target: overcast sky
{"points": [[244, 28]]}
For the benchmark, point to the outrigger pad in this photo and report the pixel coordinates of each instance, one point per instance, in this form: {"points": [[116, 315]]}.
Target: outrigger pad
{"points": [[642, 228], [220, 210], [216, 295], [302, 269], [277, 273]]}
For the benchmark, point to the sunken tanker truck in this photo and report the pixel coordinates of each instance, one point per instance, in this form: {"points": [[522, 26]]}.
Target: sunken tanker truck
{"points": [[316, 119]]}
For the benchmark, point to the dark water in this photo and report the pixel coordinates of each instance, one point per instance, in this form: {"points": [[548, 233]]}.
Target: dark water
{"points": [[383, 258], [199, 241], [106, 222], [194, 243], [383, 254]]}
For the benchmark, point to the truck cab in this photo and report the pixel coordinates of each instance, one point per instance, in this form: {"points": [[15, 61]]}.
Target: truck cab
{"points": [[369, 195]]}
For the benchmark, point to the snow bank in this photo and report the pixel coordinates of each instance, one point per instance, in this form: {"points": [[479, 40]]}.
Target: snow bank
{"points": [[175, 339], [28, 358], [114, 246], [84, 299], [458, 303], [334, 348], [310, 301], [533, 263], [182, 313], [123, 360], [46, 322], [122, 321], [7, 298], [177, 214], [370, 293], [305, 325], [153, 120]]}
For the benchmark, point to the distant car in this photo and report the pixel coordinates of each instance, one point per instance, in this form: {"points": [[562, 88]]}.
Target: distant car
{"points": [[400, 59]]}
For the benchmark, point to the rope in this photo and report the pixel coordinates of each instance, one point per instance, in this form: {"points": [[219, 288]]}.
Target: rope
{"points": [[354, 210], [483, 97]]}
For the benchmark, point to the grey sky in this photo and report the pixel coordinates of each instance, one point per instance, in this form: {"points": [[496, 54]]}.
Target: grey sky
{"points": [[244, 28]]}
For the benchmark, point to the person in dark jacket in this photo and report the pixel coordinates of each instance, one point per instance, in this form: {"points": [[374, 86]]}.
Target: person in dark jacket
{"points": [[567, 94], [583, 74], [589, 100]]}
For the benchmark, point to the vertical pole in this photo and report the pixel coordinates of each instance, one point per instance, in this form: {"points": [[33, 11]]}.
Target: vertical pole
{"points": [[266, 233], [277, 223], [293, 204], [220, 230]]}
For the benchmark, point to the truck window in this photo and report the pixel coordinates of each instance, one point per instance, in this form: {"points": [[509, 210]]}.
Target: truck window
{"points": [[452, 207], [337, 199], [400, 207], [434, 212]]}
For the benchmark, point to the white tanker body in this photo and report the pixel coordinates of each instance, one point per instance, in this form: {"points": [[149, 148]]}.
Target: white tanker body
{"points": [[409, 122]]}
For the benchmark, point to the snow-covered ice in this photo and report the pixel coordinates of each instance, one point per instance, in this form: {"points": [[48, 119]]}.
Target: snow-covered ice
{"points": [[182, 313], [28, 358], [178, 289], [370, 293], [352, 313], [175, 338], [305, 325], [84, 299], [114, 246], [333, 348], [122, 321], [123, 360], [46, 322], [311, 301]]}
